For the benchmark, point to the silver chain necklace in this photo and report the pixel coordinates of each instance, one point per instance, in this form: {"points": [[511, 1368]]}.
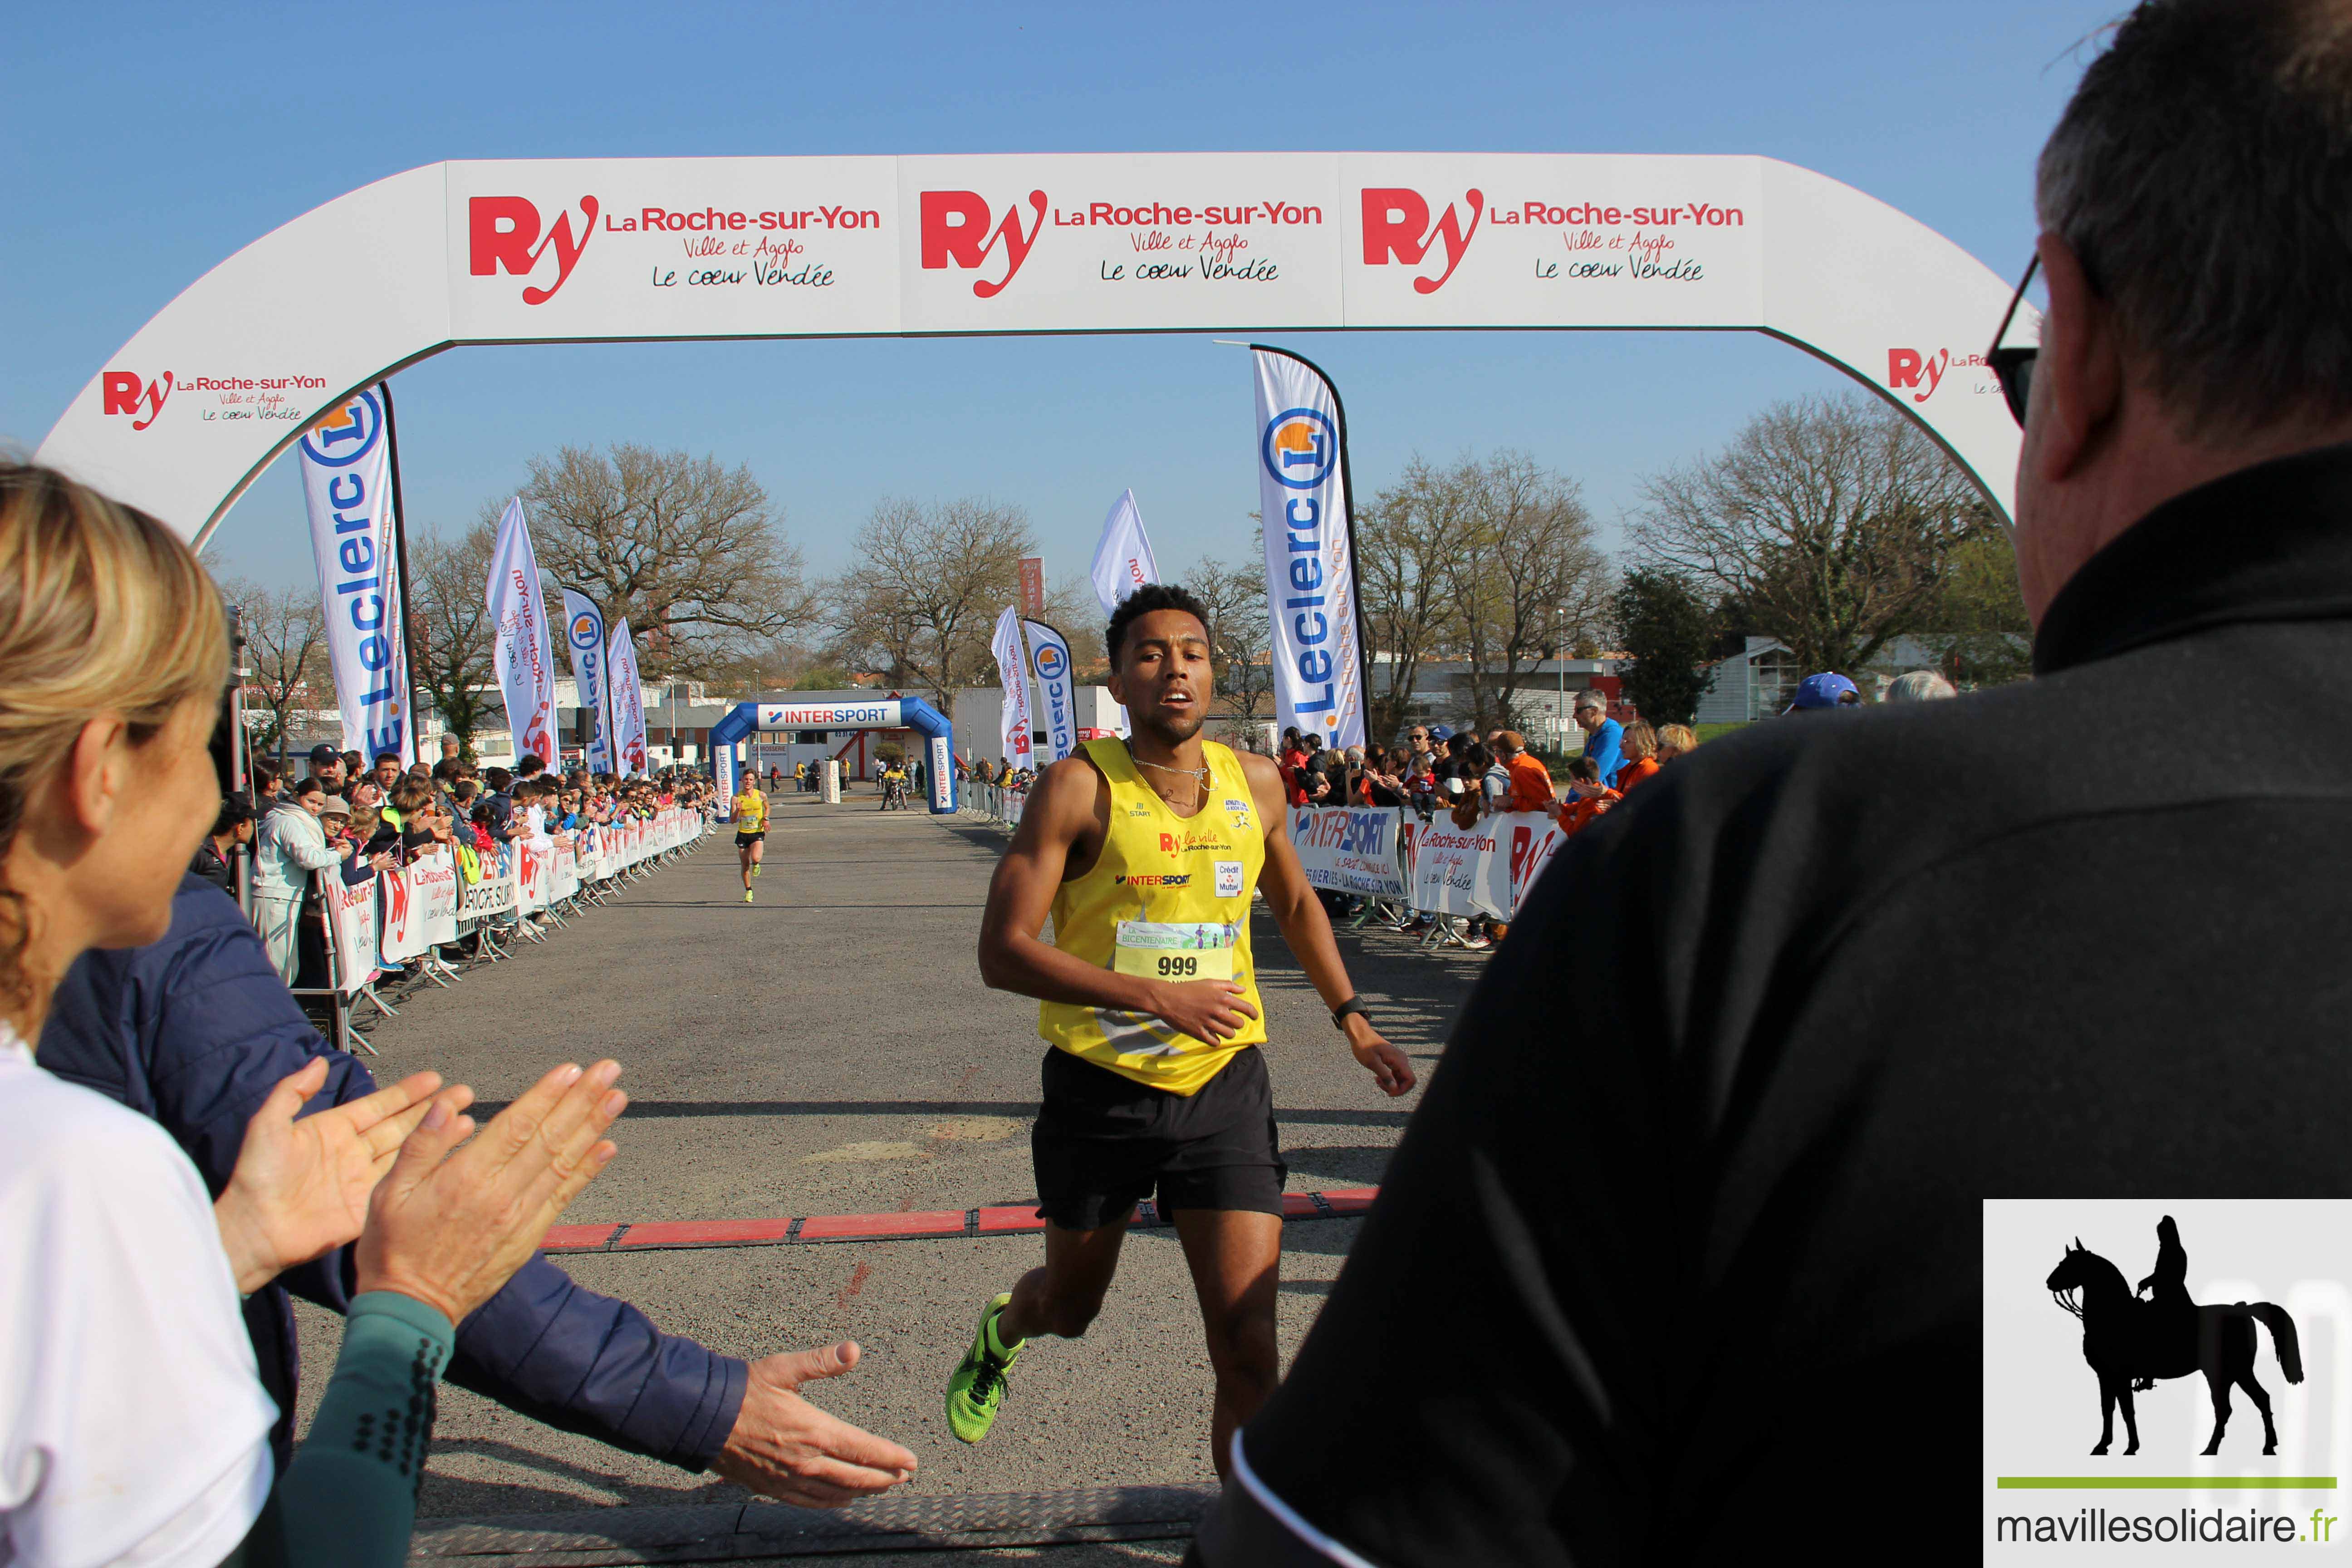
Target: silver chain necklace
{"points": [[1201, 774]]}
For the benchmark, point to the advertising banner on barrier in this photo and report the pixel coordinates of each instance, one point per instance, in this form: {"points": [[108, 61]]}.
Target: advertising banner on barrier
{"points": [[495, 893], [1012, 676], [526, 665], [351, 918], [628, 703], [1310, 550], [420, 906], [532, 860], [563, 871], [588, 853], [354, 538], [1486, 869], [1351, 849], [1049, 651]]}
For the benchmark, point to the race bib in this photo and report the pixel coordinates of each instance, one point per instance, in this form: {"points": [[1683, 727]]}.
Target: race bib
{"points": [[1164, 950]]}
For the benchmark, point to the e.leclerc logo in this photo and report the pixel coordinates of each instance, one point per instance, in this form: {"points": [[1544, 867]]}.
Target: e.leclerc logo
{"points": [[347, 435], [1299, 447], [1049, 662], [583, 632]]}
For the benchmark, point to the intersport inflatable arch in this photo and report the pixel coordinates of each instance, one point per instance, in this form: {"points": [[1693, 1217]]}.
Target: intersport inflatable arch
{"points": [[883, 713], [227, 376]]}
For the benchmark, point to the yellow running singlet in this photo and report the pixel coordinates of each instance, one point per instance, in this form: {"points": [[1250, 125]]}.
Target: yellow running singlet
{"points": [[1169, 897], [751, 812]]}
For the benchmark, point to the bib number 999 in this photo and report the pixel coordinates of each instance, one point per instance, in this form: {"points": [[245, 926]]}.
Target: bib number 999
{"points": [[1179, 963]]}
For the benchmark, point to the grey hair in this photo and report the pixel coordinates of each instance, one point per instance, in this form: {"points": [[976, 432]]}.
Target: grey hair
{"points": [[1589, 698], [1919, 686], [2202, 176]]}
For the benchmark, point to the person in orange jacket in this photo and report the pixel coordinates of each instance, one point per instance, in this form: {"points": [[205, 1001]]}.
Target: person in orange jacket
{"points": [[1640, 747], [1588, 797]]}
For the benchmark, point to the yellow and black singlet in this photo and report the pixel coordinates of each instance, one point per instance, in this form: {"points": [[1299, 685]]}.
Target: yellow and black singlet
{"points": [[751, 812], [1168, 898]]}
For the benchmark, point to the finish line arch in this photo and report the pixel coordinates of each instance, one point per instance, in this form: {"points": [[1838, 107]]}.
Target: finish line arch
{"points": [[746, 719], [223, 378]]}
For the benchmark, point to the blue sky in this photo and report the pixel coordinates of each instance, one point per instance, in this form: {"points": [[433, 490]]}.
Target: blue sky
{"points": [[140, 144]]}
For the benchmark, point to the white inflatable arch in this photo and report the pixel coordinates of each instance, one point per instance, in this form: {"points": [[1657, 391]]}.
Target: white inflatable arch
{"points": [[226, 376]]}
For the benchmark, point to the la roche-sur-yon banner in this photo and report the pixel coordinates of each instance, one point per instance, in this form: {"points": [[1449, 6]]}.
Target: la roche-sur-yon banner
{"points": [[628, 701], [354, 538], [222, 379], [1310, 550], [1012, 676]]}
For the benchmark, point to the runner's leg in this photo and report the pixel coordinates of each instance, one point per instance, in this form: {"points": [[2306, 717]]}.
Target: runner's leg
{"points": [[1061, 1298], [1235, 1255]]}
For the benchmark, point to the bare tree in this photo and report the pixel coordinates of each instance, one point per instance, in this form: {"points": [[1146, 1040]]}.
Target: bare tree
{"points": [[689, 551], [285, 632], [931, 582], [1404, 536], [1833, 523], [1240, 638], [450, 630], [1524, 577]]}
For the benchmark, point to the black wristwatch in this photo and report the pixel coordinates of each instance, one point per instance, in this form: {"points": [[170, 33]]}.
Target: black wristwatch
{"points": [[1339, 1013]]}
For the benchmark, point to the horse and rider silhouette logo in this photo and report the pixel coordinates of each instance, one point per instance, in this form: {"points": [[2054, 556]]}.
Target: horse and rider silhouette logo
{"points": [[2131, 1342]]}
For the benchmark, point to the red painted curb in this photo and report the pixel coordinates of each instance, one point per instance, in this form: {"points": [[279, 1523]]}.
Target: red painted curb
{"points": [[679, 1234]]}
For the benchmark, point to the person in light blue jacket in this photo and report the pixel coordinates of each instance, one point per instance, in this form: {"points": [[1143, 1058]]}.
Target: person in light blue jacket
{"points": [[1604, 738]]}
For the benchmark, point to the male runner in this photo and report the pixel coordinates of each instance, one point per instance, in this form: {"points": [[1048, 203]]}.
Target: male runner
{"points": [[1145, 852], [750, 829]]}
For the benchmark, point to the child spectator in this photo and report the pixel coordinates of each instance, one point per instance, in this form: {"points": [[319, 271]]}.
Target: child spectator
{"points": [[1588, 797]]}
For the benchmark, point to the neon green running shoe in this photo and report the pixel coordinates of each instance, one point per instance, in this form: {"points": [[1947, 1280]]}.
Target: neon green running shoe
{"points": [[976, 1390], [755, 870], [746, 895]]}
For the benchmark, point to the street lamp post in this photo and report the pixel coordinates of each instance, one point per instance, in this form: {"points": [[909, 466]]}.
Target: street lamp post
{"points": [[1560, 666]]}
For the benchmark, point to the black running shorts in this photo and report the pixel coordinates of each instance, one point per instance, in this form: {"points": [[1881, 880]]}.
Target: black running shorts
{"points": [[1104, 1142], [745, 840]]}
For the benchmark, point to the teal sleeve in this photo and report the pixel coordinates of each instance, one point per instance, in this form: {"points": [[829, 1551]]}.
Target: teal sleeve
{"points": [[349, 1498]]}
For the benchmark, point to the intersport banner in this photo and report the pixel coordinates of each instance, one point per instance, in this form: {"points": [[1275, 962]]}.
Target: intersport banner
{"points": [[346, 461], [1310, 553], [1351, 849], [1485, 869], [526, 665], [1012, 674], [1049, 653], [628, 703], [583, 634]]}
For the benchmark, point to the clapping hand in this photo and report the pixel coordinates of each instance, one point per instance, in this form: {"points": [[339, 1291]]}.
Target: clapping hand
{"points": [[302, 1187]]}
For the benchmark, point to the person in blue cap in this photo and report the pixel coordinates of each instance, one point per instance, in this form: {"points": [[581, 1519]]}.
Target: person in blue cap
{"points": [[1827, 689]]}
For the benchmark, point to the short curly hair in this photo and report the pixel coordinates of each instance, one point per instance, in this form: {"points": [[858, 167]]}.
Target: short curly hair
{"points": [[1142, 602]]}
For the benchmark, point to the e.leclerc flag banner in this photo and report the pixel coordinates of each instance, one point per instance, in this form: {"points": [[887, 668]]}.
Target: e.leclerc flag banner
{"points": [[1013, 673], [355, 539], [1123, 560], [1049, 654], [628, 701], [526, 665], [583, 634], [1310, 553]]}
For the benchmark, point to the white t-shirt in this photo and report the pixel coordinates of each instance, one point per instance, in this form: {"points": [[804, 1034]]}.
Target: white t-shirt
{"points": [[133, 1427]]}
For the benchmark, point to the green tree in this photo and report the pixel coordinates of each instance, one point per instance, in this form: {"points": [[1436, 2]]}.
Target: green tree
{"points": [[1984, 615], [1665, 625]]}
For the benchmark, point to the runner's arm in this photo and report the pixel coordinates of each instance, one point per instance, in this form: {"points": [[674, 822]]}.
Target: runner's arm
{"points": [[1061, 813], [1308, 930]]}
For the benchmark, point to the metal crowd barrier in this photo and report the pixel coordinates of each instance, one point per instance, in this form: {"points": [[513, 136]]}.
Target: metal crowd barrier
{"points": [[992, 802]]}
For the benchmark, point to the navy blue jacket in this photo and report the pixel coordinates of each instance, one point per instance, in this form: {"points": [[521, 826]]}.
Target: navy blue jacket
{"points": [[195, 1030]]}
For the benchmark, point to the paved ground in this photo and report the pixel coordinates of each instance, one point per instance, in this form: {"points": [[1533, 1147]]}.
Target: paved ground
{"points": [[830, 1050]]}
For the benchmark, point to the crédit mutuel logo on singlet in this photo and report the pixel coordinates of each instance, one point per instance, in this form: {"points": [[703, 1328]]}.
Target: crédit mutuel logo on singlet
{"points": [[2174, 1373]]}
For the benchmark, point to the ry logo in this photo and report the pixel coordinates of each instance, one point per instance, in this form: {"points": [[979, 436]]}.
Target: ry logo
{"points": [[1397, 228], [123, 394], [502, 235], [955, 230], [1907, 368]]}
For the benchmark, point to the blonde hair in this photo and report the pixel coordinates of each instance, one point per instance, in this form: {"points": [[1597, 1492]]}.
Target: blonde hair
{"points": [[1639, 740], [103, 609], [1674, 740]]}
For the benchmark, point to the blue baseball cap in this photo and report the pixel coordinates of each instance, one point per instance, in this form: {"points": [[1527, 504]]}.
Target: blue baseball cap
{"points": [[1440, 732], [1828, 690]]}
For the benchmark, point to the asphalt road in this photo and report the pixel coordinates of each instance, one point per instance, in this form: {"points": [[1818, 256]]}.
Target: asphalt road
{"points": [[830, 1050]]}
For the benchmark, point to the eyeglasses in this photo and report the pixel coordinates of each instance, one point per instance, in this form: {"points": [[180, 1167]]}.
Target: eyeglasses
{"points": [[2013, 368]]}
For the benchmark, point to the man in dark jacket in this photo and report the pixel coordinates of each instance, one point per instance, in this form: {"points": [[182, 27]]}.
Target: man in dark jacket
{"points": [[1701, 1277], [195, 1030]]}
